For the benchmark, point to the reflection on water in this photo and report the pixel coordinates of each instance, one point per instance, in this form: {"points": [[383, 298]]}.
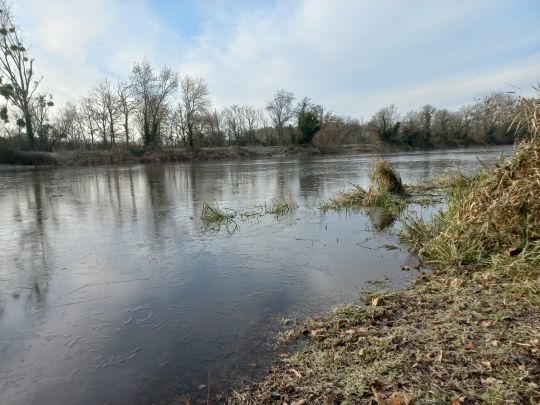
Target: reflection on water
{"points": [[111, 290]]}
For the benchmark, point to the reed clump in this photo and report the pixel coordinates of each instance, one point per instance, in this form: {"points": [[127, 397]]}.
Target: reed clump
{"points": [[345, 199], [496, 212], [216, 215], [386, 191], [281, 206]]}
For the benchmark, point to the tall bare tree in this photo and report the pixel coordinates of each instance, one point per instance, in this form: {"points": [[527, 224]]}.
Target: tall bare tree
{"points": [[281, 110], [17, 83], [152, 93], [41, 106], [252, 119], [108, 107], [126, 106], [195, 102]]}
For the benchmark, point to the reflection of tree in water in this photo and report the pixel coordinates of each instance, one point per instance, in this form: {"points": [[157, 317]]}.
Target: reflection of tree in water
{"points": [[381, 219], [33, 261], [309, 183], [159, 203]]}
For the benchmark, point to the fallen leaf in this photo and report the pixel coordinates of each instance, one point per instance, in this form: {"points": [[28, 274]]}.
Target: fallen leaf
{"points": [[490, 381], [375, 301], [404, 267], [439, 357], [470, 346], [296, 373], [299, 402], [487, 364], [533, 385], [514, 251], [494, 343], [316, 332], [398, 399]]}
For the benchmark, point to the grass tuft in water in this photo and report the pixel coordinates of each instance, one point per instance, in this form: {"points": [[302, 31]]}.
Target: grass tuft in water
{"points": [[216, 215], [281, 206]]}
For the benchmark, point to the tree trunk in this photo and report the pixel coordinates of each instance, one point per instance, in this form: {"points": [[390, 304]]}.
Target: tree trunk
{"points": [[29, 129], [190, 135]]}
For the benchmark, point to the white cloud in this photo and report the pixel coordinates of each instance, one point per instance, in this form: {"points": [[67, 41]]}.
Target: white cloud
{"points": [[352, 56]]}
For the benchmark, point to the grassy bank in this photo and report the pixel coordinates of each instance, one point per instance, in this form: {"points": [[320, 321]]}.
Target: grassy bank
{"points": [[466, 333], [137, 155]]}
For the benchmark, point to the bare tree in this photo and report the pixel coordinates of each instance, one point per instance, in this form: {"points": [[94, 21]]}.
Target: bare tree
{"points": [[195, 102], [234, 123], [281, 111], [252, 119], [152, 94], [108, 107], [17, 82], [385, 123], [41, 106], [126, 106], [87, 118], [213, 124]]}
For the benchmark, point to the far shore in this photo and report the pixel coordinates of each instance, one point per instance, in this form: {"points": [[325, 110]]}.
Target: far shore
{"points": [[138, 155]]}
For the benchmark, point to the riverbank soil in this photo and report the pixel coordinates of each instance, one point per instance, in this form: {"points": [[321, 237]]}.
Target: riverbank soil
{"points": [[138, 154], [467, 333]]}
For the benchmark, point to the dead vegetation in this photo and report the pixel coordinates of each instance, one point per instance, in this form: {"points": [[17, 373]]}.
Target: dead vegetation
{"points": [[216, 218], [386, 192], [467, 333]]}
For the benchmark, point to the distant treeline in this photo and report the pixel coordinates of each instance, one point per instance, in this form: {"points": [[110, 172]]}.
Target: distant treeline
{"points": [[163, 110]]}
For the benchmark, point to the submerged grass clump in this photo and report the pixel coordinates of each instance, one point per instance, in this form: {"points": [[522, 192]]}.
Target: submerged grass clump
{"points": [[216, 215], [345, 199], [385, 179], [467, 333], [280, 206], [386, 192]]}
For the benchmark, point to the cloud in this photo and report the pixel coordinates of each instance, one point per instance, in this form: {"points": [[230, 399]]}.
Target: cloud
{"points": [[351, 56]]}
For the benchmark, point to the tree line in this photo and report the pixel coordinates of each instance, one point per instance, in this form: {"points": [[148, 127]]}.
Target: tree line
{"points": [[160, 109]]}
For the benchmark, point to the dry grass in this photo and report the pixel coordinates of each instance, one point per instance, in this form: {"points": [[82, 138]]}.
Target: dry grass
{"points": [[281, 206], [385, 179], [215, 217], [386, 192], [468, 333], [345, 200]]}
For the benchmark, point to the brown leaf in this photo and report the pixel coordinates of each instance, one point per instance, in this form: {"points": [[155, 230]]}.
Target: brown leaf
{"points": [[487, 364], [404, 267], [490, 381], [316, 332], [470, 346], [398, 399], [296, 373], [439, 357], [375, 301], [514, 251]]}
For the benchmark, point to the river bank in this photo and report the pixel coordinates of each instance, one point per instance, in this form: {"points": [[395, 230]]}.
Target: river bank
{"points": [[468, 332], [139, 155]]}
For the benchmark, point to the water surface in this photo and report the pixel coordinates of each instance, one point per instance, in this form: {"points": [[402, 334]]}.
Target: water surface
{"points": [[113, 291]]}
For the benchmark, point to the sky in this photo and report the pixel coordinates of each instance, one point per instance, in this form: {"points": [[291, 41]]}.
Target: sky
{"points": [[353, 57]]}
